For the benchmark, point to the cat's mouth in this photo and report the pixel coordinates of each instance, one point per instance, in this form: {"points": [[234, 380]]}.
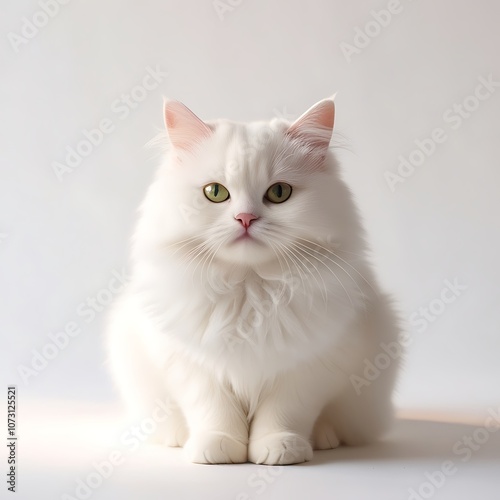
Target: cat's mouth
{"points": [[246, 236]]}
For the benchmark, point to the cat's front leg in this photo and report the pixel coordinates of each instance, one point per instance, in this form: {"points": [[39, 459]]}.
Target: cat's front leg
{"points": [[281, 428], [218, 427]]}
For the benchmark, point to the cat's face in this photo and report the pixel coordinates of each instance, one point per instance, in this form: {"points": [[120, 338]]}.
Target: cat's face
{"points": [[249, 193]]}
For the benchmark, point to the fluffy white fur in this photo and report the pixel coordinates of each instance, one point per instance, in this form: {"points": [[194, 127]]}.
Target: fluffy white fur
{"points": [[253, 342]]}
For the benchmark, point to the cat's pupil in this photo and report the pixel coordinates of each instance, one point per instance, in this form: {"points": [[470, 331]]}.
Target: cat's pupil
{"points": [[216, 190], [278, 191]]}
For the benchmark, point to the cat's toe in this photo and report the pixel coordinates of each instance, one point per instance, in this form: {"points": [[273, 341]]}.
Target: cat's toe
{"points": [[215, 448], [280, 448], [324, 437]]}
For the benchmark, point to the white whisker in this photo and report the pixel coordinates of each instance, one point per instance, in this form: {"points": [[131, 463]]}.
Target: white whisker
{"points": [[333, 272], [312, 245]]}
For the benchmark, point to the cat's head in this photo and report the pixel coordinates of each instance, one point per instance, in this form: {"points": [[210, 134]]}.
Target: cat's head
{"points": [[250, 194]]}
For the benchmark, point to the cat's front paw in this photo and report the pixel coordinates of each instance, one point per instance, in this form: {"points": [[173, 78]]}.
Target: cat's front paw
{"points": [[215, 448], [280, 448]]}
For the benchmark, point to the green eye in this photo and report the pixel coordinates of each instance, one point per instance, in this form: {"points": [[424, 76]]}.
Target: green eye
{"points": [[216, 192], [279, 192]]}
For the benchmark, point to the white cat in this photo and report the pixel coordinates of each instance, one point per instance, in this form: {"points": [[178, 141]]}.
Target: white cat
{"points": [[252, 308]]}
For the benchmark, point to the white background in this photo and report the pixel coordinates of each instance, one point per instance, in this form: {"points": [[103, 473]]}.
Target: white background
{"points": [[61, 240]]}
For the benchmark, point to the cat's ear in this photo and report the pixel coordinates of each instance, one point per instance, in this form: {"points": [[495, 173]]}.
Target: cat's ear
{"points": [[315, 126], [185, 129]]}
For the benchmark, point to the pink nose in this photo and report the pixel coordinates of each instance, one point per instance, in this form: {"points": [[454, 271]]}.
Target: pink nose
{"points": [[246, 219]]}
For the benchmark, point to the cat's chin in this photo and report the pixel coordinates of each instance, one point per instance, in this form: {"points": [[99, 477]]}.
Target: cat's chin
{"points": [[246, 250]]}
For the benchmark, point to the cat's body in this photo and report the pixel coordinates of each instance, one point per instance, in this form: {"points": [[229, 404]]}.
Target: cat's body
{"points": [[252, 314]]}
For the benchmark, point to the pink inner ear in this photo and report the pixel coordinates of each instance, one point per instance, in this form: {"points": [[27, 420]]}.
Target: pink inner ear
{"points": [[315, 126], [185, 129]]}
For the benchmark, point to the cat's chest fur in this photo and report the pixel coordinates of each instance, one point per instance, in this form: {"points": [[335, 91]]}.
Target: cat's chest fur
{"points": [[235, 324]]}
